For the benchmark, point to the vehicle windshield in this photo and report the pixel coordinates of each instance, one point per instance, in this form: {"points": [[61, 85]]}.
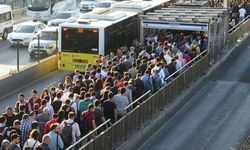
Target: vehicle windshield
{"points": [[63, 15], [25, 29], [46, 35], [80, 40], [38, 5]]}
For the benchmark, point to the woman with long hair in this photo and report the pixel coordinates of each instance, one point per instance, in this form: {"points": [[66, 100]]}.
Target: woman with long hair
{"points": [[32, 142]]}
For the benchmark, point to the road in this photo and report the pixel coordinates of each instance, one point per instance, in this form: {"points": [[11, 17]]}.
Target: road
{"points": [[51, 79], [8, 58], [218, 115]]}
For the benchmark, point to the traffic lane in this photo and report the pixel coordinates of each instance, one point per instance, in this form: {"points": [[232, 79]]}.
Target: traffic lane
{"points": [[8, 58], [208, 120], [52, 79], [237, 65], [220, 121]]}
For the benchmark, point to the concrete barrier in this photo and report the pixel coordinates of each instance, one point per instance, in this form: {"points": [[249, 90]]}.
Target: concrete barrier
{"points": [[28, 74]]}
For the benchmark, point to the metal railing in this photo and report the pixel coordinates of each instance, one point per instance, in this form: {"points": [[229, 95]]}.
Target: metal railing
{"points": [[137, 101], [246, 144], [145, 110], [238, 32], [85, 139]]}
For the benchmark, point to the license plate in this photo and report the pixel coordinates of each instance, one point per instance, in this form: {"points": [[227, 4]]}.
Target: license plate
{"points": [[80, 66], [36, 52]]}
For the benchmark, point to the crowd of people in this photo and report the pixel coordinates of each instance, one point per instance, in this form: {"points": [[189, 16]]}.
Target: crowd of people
{"points": [[60, 115], [239, 11]]}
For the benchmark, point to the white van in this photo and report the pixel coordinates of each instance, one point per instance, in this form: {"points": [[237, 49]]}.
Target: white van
{"points": [[6, 21]]}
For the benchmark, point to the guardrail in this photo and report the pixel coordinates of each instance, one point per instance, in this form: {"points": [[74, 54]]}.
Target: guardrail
{"points": [[85, 140], [145, 110], [238, 31]]}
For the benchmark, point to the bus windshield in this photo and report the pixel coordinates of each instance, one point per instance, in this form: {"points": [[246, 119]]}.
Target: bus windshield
{"points": [[38, 5], [79, 40]]}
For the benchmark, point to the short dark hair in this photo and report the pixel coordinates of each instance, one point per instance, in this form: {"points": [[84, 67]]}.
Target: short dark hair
{"points": [[91, 106], [14, 136], [122, 90], [17, 122], [53, 126], [25, 116], [55, 116], [2, 119], [21, 95], [71, 115], [110, 95], [97, 103], [34, 91]]}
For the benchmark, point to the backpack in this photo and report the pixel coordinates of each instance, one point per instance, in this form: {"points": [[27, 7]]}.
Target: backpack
{"points": [[84, 128], [67, 134], [31, 148]]}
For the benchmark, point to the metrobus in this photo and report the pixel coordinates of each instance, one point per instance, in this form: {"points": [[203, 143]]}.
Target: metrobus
{"points": [[43, 9], [100, 32], [6, 21], [83, 42]]}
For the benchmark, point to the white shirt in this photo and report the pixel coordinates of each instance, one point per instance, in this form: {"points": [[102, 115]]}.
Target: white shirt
{"points": [[51, 109], [74, 106], [30, 143], [168, 58], [75, 129], [242, 12]]}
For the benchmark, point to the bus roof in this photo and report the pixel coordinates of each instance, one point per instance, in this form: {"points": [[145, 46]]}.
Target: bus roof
{"points": [[49, 29], [5, 8], [100, 19]]}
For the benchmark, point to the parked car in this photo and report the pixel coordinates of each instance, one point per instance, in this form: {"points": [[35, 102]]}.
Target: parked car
{"points": [[47, 43], [25, 33], [65, 16]]}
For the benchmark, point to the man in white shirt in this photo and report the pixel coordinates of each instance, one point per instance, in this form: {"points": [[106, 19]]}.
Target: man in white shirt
{"points": [[75, 127], [242, 12]]}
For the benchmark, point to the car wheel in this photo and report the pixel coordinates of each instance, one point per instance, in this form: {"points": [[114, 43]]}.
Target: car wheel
{"points": [[5, 35]]}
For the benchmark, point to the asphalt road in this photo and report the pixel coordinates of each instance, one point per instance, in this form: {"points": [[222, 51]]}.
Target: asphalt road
{"points": [[51, 79], [217, 116], [8, 58]]}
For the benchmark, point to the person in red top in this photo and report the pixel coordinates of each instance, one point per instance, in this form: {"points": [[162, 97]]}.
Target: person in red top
{"points": [[33, 100], [90, 117], [49, 123]]}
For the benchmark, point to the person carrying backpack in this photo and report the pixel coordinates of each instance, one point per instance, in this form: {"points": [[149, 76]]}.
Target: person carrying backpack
{"points": [[70, 130], [32, 142]]}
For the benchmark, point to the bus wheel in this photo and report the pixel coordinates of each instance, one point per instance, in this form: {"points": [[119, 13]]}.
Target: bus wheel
{"points": [[5, 35]]}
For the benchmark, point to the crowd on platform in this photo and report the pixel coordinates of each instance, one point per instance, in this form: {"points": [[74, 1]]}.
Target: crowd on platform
{"points": [[239, 10], [60, 115]]}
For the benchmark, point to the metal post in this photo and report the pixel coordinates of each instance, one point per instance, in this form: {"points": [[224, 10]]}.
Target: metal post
{"points": [[38, 40], [18, 55], [56, 40]]}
